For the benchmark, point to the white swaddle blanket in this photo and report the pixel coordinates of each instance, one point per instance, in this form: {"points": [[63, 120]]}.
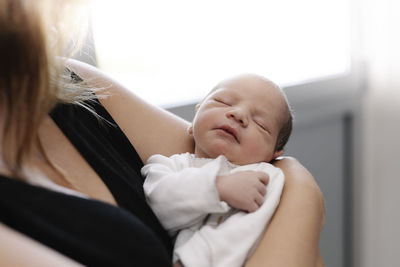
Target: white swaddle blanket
{"points": [[181, 191]]}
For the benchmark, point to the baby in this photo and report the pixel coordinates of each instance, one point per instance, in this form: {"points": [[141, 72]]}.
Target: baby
{"points": [[218, 201]]}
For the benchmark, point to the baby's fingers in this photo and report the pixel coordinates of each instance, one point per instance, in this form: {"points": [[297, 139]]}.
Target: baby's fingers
{"points": [[262, 190], [253, 207], [264, 178], [256, 204], [259, 200]]}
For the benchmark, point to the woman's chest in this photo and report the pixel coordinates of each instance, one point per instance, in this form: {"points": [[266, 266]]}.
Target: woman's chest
{"points": [[65, 166]]}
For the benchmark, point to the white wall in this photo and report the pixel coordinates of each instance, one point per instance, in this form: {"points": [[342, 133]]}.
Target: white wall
{"points": [[379, 181]]}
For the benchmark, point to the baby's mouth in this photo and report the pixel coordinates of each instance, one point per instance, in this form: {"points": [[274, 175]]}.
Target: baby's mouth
{"points": [[229, 130]]}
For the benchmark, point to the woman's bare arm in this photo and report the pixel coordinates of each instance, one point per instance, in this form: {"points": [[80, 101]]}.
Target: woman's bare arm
{"points": [[150, 129], [292, 237], [19, 250]]}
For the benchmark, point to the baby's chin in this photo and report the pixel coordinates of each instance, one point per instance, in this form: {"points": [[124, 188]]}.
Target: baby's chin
{"points": [[234, 160], [233, 155], [214, 149]]}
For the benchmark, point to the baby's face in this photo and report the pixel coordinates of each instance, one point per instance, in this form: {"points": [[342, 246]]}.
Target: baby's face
{"points": [[241, 120]]}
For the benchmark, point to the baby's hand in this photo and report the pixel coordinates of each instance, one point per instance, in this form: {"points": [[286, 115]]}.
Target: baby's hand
{"points": [[243, 190]]}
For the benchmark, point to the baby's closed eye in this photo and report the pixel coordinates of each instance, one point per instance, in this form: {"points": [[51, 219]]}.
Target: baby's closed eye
{"points": [[222, 101]]}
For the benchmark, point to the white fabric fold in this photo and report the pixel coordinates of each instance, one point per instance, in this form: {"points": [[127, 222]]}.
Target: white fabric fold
{"points": [[181, 190]]}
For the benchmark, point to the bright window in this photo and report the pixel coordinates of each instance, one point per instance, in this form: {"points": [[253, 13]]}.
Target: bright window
{"points": [[175, 51]]}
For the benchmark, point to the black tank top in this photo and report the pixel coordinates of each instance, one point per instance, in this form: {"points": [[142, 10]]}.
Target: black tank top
{"points": [[91, 232]]}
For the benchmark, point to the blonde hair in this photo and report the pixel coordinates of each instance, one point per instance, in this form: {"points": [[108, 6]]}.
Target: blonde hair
{"points": [[33, 50]]}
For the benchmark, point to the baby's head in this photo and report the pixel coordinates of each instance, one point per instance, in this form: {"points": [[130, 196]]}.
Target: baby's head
{"points": [[245, 118]]}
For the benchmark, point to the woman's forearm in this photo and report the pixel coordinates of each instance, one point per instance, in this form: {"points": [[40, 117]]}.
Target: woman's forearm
{"points": [[19, 250], [150, 129], [292, 237]]}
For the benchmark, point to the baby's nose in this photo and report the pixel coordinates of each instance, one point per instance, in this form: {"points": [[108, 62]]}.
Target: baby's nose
{"points": [[239, 116]]}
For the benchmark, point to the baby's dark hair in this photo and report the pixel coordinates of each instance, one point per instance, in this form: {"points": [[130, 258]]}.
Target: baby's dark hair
{"points": [[286, 128]]}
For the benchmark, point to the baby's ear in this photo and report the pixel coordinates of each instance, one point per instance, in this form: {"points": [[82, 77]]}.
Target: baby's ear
{"points": [[190, 129], [277, 154]]}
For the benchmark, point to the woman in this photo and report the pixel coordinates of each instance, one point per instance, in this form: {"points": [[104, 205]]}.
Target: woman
{"points": [[70, 189]]}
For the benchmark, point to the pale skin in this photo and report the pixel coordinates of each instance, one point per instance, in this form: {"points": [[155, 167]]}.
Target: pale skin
{"points": [[158, 132], [241, 119], [243, 190]]}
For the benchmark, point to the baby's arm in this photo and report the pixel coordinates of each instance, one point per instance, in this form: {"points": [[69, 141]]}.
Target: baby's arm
{"points": [[230, 242], [180, 195], [244, 190]]}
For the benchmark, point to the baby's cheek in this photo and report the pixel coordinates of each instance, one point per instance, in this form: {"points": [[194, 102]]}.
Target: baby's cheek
{"points": [[259, 150]]}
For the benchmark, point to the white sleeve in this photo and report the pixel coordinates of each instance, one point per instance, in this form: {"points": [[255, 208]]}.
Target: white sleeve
{"points": [[233, 241], [181, 196]]}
